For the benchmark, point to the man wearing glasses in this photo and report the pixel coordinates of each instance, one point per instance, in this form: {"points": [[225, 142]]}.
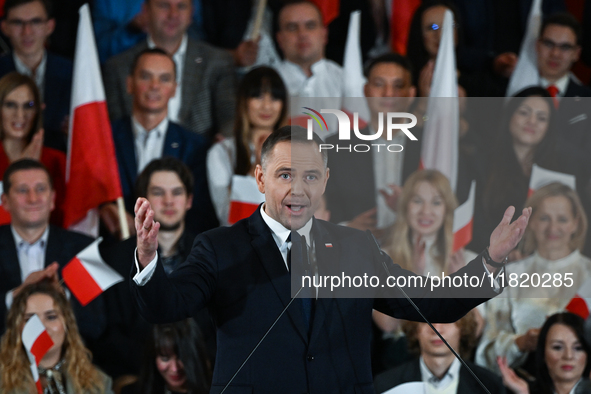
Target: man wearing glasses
{"points": [[558, 48], [28, 24]]}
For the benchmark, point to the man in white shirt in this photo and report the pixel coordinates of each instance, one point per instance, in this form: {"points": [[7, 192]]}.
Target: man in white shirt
{"points": [[32, 250], [28, 24], [302, 38], [148, 134], [437, 367], [204, 100]]}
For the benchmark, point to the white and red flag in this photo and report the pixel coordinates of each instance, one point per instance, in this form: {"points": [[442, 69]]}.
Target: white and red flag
{"points": [[88, 276], [541, 177], [4, 215], [245, 197], [464, 220], [37, 342], [439, 149], [581, 302], [92, 175], [353, 78], [526, 70]]}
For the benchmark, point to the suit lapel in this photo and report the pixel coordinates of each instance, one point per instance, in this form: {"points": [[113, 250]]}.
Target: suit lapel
{"points": [[125, 142], [54, 247], [11, 265], [172, 142], [272, 262], [192, 74]]}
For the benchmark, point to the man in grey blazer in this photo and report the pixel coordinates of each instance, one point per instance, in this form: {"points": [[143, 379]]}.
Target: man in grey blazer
{"points": [[205, 97]]}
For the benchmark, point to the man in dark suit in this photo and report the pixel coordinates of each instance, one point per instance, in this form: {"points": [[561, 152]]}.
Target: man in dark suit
{"points": [[167, 184], [357, 193], [28, 24], [205, 97], [32, 250], [436, 366], [242, 273], [148, 134]]}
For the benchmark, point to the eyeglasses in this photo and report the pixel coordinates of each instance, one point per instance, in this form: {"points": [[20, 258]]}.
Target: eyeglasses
{"points": [[35, 23], [550, 45], [13, 106]]}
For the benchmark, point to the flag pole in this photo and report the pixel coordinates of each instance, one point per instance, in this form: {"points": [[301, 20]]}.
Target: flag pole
{"points": [[256, 31], [122, 219]]}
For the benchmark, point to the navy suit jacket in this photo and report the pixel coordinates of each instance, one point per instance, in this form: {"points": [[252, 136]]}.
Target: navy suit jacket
{"points": [[239, 274], [57, 88], [188, 147], [411, 372], [62, 246]]}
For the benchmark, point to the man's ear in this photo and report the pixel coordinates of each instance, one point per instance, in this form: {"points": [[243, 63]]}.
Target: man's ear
{"points": [[129, 84], [52, 201], [4, 28], [189, 202], [260, 178], [5, 203], [50, 26]]}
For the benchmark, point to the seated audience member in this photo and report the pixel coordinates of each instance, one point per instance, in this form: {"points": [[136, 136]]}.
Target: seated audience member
{"points": [[175, 361], [119, 25], [149, 134], [67, 367], [204, 100], [562, 359], [551, 245], [423, 41], [302, 39], [32, 249], [421, 241], [358, 181], [28, 24], [261, 108], [22, 136], [527, 135], [167, 183], [437, 366]]}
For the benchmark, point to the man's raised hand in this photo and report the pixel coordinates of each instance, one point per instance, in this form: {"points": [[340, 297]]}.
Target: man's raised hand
{"points": [[507, 235], [147, 231]]}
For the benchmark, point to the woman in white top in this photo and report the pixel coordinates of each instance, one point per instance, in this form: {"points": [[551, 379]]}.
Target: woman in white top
{"points": [[422, 236], [261, 108], [553, 273]]}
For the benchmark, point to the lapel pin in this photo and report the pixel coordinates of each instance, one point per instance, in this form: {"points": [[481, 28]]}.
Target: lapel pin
{"points": [[174, 145], [329, 245], [198, 60]]}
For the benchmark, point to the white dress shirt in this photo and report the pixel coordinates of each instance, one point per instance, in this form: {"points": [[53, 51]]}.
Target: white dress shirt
{"points": [[447, 384], [174, 104], [31, 257], [38, 75], [149, 144]]}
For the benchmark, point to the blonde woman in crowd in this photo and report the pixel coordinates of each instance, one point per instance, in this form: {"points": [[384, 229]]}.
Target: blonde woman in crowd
{"points": [[552, 244]]}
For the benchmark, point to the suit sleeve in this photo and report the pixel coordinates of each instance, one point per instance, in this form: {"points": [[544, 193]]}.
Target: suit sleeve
{"points": [[165, 299], [439, 304]]}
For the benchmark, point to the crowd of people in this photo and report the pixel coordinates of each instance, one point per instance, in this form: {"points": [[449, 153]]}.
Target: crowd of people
{"points": [[193, 96]]}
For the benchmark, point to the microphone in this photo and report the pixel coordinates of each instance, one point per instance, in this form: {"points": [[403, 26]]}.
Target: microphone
{"points": [[384, 260]]}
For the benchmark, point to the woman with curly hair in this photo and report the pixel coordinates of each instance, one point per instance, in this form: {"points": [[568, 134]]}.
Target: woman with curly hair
{"points": [[66, 368]]}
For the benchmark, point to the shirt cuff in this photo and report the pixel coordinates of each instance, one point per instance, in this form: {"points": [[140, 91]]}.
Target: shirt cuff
{"points": [[496, 286], [142, 277]]}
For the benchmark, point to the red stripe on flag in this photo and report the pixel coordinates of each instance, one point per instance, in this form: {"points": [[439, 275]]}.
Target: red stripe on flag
{"points": [[41, 345], [578, 306], [80, 282], [463, 236], [240, 210], [329, 9], [530, 191], [94, 175], [4, 216], [39, 387]]}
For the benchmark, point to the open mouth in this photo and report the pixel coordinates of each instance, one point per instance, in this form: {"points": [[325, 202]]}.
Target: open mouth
{"points": [[295, 208]]}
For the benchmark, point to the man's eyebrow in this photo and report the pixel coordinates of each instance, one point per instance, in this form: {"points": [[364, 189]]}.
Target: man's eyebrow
{"points": [[315, 172], [283, 169]]}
